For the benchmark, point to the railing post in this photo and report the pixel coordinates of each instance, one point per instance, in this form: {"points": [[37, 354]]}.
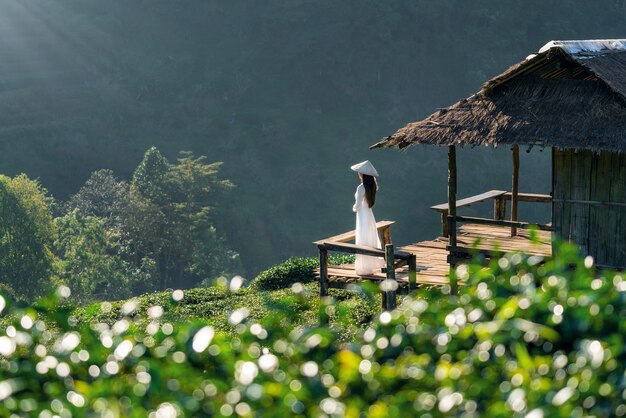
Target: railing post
{"points": [[389, 291], [499, 208], [412, 272], [385, 236], [323, 272], [444, 224]]}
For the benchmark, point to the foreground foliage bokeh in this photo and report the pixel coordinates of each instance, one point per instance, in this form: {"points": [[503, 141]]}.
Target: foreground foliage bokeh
{"points": [[524, 337]]}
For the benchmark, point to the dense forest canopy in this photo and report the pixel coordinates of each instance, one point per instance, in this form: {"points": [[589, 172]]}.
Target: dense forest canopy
{"points": [[287, 94], [114, 239]]}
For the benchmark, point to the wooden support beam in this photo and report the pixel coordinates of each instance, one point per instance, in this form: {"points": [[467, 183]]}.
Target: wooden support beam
{"points": [[389, 290], [500, 198], [323, 272], [345, 247], [530, 197], [452, 194], [591, 202], [515, 188], [351, 235], [452, 212], [443, 208], [444, 223], [468, 201]]}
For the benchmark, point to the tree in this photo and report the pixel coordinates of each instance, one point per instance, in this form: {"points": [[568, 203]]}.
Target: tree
{"points": [[211, 257], [169, 219], [142, 235], [103, 196], [87, 262], [26, 235], [150, 176], [195, 192], [196, 184]]}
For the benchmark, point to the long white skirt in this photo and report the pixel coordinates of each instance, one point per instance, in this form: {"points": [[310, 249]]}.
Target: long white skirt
{"points": [[366, 234]]}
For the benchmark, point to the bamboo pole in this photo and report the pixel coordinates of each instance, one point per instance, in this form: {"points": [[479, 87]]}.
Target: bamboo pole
{"points": [[515, 191]]}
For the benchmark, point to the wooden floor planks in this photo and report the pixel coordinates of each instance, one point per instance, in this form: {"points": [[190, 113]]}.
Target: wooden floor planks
{"points": [[432, 255]]}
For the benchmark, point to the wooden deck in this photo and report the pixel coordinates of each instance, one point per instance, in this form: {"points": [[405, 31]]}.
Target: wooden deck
{"points": [[432, 265]]}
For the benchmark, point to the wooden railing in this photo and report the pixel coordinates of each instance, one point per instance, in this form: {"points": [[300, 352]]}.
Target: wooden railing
{"points": [[384, 232], [394, 259], [448, 222], [500, 197]]}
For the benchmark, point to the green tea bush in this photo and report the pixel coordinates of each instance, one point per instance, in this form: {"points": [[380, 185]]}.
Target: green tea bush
{"points": [[295, 269], [213, 306], [525, 337]]}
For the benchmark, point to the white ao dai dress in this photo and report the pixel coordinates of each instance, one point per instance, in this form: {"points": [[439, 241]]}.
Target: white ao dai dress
{"points": [[366, 234]]}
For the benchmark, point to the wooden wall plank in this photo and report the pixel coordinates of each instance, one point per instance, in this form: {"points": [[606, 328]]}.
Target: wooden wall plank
{"points": [[561, 190], [566, 178], [580, 190], [599, 232], [557, 191]]}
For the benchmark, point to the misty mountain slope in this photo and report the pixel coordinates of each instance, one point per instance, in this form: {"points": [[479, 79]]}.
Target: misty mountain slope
{"points": [[288, 94]]}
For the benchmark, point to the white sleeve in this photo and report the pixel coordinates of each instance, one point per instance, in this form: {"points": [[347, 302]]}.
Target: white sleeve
{"points": [[358, 198]]}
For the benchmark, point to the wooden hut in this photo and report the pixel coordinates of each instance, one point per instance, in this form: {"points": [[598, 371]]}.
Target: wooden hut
{"points": [[569, 97]]}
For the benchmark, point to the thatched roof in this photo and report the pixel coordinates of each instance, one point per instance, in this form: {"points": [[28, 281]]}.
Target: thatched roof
{"points": [[571, 94]]}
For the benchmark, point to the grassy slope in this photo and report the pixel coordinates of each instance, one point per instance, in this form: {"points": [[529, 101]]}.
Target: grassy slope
{"points": [[214, 305]]}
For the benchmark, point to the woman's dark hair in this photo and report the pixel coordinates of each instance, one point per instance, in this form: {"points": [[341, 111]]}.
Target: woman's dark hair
{"points": [[370, 189]]}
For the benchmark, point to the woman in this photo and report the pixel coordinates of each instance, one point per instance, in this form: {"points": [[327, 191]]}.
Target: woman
{"points": [[366, 232]]}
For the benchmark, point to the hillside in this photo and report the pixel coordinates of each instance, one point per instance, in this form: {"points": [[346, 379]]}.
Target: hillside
{"points": [[215, 306], [290, 282], [287, 94]]}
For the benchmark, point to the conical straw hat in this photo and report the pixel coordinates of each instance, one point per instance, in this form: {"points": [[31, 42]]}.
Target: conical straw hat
{"points": [[365, 168]]}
